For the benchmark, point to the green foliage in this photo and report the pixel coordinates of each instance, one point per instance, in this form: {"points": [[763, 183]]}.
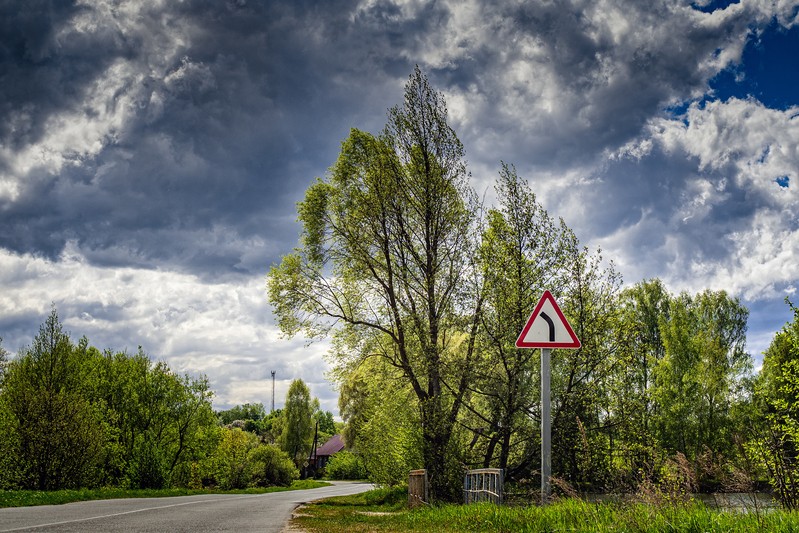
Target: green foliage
{"points": [[240, 460], [776, 426], [345, 465], [10, 464], [698, 377], [582, 379], [523, 252], [297, 436], [383, 424], [248, 411], [327, 426], [73, 417], [681, 378], [58, 434], [385, 261], [232, 464], [161, 420], [272, 466], [424, 295], [148, 466], [271, 427], [640, 348]]}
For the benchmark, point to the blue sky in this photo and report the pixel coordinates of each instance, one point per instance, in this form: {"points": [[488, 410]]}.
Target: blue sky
{"points": [[151, 154], [768, 70]]}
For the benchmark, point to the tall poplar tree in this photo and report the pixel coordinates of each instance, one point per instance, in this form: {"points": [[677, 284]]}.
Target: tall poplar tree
{"points": [[297, 431], [384, 261]]}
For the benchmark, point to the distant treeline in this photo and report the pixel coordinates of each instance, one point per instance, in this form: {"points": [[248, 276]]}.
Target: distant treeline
{"points": [[72, 416]]}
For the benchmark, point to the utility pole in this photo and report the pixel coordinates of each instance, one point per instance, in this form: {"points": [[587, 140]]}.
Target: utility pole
{"points": [[273, 391]]}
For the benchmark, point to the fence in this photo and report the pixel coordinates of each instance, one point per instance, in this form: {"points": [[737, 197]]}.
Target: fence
{"points": [[417, 488], [483, 485]]}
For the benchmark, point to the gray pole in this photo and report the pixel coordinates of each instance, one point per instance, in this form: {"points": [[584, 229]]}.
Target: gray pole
{"points": [[546, 429], [273, 392]]}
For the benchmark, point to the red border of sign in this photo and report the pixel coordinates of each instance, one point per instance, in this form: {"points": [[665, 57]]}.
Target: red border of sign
{"points": [[546, 344]]}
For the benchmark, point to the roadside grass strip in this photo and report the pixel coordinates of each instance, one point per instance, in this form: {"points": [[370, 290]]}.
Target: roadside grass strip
{"points": [[26, 498], [386, 510]]}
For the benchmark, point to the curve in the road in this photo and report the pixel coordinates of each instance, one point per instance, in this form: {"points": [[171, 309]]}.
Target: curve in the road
{"points": [[251, 512]]}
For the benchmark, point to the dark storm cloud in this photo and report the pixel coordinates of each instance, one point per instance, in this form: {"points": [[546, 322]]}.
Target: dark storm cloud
{"points": [[210, 118], [664, 197], [41, 69], [171, 140], [213, 117], [16, 329]]}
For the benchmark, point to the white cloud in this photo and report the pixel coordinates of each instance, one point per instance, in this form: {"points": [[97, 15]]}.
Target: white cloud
{"points": [[731, 225], [223, 330], [764, 261], [758, 143], [195, 121], [561, 83], [101, 115]]}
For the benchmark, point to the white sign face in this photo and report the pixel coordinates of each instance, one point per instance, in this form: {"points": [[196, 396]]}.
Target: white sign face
{"points": [[547, 327]]}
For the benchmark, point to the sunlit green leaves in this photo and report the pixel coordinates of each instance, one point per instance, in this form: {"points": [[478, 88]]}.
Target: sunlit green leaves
{"points": [[297, 435], [72, 416]]}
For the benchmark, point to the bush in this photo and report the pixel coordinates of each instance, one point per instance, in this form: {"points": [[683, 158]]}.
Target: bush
{"points": [[272, 466], [230, 464], [345, 465], [148, 468]]}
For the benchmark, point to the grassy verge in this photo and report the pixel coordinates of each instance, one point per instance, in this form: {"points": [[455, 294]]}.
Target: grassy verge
{"points": [[24, 498], [385, 511]]}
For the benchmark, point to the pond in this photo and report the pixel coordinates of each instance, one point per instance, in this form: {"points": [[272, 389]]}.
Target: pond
{"points": [[738, 501], [727, 501]]}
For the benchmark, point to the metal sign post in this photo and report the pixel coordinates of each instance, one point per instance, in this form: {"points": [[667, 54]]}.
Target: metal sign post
{"points": [[546, 429], [547, 328]]}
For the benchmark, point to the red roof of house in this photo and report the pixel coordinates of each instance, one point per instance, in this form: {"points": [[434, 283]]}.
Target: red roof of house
{"points": [[334, 444]]}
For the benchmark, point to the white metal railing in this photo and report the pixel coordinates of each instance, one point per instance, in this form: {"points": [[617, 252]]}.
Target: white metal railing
{"points": [[483, 485]]}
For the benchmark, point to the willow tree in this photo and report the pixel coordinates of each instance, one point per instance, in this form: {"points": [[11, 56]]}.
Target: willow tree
{"points": [[384, 261]]}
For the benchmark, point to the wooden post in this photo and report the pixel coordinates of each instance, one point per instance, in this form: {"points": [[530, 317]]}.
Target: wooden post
{"points": [[417, 488]]}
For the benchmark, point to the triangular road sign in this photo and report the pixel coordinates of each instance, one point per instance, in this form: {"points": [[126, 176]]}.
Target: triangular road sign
{"points": [[547, 327]]}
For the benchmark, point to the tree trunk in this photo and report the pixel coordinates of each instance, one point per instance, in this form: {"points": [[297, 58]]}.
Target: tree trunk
{"points": [[437, 432]]}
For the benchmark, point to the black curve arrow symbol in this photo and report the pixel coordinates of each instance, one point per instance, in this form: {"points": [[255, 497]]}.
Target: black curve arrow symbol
{"points": [[551, 325]]}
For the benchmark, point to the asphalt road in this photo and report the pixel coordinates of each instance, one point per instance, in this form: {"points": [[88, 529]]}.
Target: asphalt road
{"points": [[267, 513]]}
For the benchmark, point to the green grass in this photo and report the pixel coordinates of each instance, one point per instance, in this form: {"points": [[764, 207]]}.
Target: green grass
{"points": [[25, 498], [386, 511]]}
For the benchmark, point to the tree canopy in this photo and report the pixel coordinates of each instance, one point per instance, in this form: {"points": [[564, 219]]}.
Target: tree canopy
{"points": [[72, 416], [386, 259], [424, 291]]}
